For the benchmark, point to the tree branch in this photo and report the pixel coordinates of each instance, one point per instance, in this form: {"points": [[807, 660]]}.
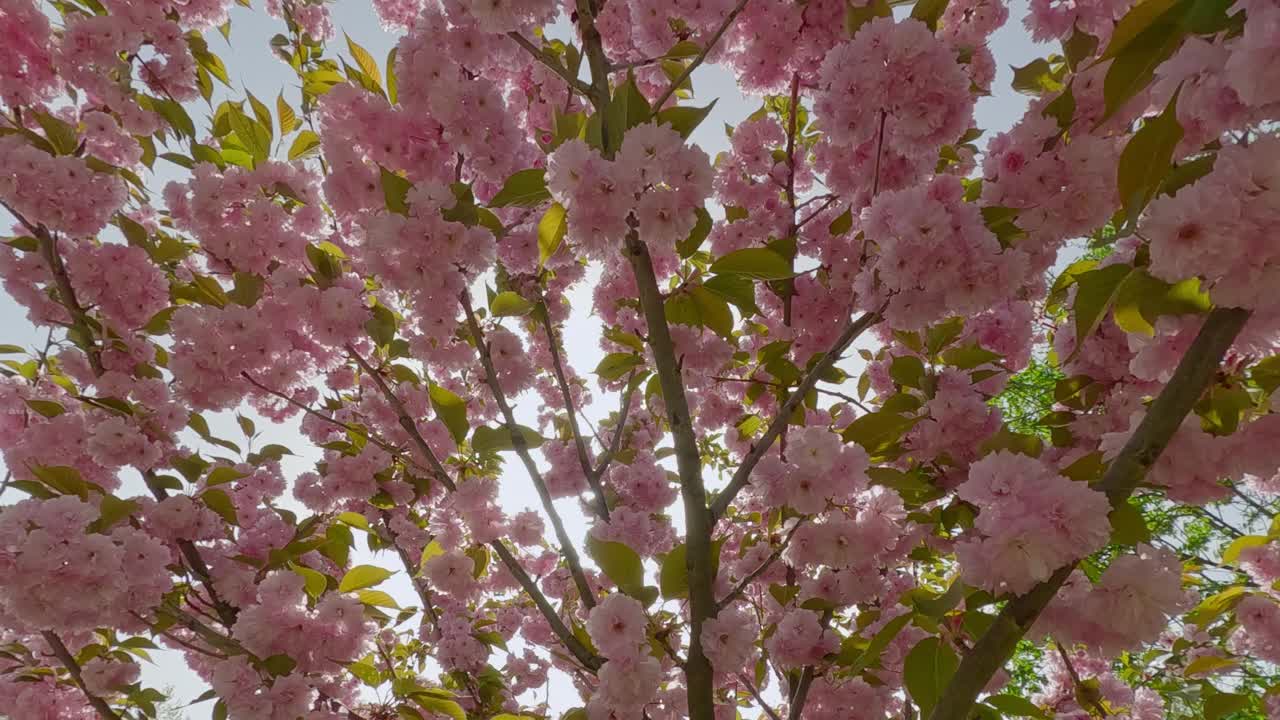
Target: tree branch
{"points": [[768, 562], [758, 450], [73, 669], [584, 457], [522, 450], [751, 688], [513, 566], [1194, 373], [616, 443], [574, 83], [700, 58], [698, 522]]}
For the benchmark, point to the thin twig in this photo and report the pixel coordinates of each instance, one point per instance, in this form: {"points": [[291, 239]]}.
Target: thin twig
{"points": [[522, 450], [584, 456], [768, 562], [751, 688], [743, 475], [702, 56], [73, 669]]}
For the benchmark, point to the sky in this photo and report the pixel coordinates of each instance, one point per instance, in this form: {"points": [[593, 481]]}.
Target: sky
{"points": [[252, 66]]}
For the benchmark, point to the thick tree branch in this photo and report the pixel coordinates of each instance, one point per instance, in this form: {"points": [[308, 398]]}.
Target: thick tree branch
{"points": [[522, 450], [584, 456], [73, 669], [698, 522], [1163, 418], [761, 447]]}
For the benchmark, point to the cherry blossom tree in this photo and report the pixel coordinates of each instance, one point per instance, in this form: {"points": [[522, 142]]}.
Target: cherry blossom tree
{"points": [[1041, 485]]}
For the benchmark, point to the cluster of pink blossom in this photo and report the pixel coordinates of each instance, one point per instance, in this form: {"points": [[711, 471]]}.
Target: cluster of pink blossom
{"points": [[1049, 19], [1062, 696], [1032, 522], [319, 640], [242, 218], [656, 176], [59, 192], [1064, 191], [51, 562], [1243, 194], [1130, 604], [27, 74], [801, 639], [1259, 633], [628, 681], [820, 468], [242, 688], [1255, 57], [43, 699], [896, 78], [935, 257], [957, 420], [120, 280]]}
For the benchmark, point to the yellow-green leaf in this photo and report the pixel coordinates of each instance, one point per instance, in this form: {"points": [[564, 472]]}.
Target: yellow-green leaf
{"points": [[363, 576]]}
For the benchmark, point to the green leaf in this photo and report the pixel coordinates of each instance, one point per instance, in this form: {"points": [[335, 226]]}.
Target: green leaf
{"points": [[363, 576], [842, 224], [1231, 554], [551, 232], [287, 118], [440, 706], [47, 408], [451, 409], [615, 365], [526, 188], [1140, 18], [487, 439], [759, 263], [737, 289], [1134, 67], [1223, 704], [247, 290], [395, 189], [856, 14], [1096, 293], [1208, 664], [1037, 78], [219, 502], [970, 356], [393, 93], [382, 325], [856, 661], [929, 12], [60, 135], [1128, 527], [261, 113], [1077, 48], [252, 135], [307, 143], [377, 598], [907, 370], [222, 475], [926, 671], [11, 349], [364, 60], [673, 576], [314, 581], [1213, 607], [697, 236], [1147, 160], [713, 311], [112, 510], [878, 431], [620, 563], [354, 519], [1015, 705], [1143, 299], [509, 304], [684, 119]]}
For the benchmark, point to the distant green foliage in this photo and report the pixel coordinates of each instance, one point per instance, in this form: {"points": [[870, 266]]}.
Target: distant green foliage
{"points": [[1028, 397]]}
